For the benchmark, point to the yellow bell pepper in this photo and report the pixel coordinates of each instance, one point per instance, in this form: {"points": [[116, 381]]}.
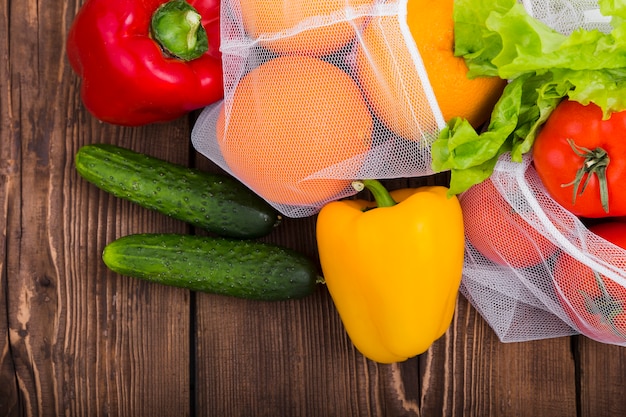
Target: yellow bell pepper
{"points": [[393, 269]]}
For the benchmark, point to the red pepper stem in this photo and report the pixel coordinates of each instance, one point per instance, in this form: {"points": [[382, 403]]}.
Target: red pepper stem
{"points": [[177, 27], [380, 193]]}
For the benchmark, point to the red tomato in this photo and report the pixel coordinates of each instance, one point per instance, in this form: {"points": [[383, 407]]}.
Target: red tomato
{"points": [[595, 303], [581, 159], [498, 232]]}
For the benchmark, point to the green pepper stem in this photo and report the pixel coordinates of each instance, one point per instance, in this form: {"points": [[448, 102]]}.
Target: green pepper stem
{"points": [[380, 193], [177, 27]]}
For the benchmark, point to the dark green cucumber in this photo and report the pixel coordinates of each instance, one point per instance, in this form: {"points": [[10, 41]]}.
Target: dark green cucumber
{"points": [[214, 202], [240, 268]]}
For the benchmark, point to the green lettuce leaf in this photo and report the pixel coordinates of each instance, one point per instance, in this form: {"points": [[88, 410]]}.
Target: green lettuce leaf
{"points": [[499, 38]]}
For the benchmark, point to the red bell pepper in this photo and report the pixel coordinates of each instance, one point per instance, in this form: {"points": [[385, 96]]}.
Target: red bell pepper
{"points": [[146, 61]]}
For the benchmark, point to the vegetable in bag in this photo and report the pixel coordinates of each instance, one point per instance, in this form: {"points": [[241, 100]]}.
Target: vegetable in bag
{"points": [[301, 154], [500, 38], [577, 288], [280, 131], [297, 26], [594, 302], [500, 233]]}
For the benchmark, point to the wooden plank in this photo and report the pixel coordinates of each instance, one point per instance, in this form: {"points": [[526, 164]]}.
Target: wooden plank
{"points": [[136, 333], [21, 80], [9, 206], [9, 399], [601, 371], [470, 372], [83, 341], [89, 340], [290, 358]]}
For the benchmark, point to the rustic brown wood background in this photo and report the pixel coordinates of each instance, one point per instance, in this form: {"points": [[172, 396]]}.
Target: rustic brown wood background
{"points": [[77, 340]]}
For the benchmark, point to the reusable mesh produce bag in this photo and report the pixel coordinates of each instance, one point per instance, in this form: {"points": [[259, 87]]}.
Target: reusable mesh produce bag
{"points": [[533, 270], [530, 263], [566, 16], [299, 86]]}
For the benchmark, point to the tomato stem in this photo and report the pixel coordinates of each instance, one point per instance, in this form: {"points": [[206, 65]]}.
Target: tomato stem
{"points": [[605, 306], [595, 163]]}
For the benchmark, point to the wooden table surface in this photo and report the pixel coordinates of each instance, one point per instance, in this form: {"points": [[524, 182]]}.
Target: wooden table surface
{"points": [[78, 340]]}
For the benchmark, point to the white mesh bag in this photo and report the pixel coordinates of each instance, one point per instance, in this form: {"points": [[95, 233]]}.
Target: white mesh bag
{"points": [[566, 16], [299, 81], [532, 269], [321, 56]]}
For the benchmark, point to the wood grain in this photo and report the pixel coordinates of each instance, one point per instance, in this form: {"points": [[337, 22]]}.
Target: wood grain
{"points": [[601, 371], [9, 206]]}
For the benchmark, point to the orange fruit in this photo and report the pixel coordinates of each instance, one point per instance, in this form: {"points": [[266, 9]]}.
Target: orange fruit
{"points": [[290, 118], [267, 18], [387, 73]]}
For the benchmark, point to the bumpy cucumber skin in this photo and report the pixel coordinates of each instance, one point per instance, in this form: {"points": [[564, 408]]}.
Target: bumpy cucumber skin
{"points": [[240, 268], [214, 202]]}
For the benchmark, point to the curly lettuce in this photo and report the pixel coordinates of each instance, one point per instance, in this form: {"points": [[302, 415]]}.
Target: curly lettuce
{"points": [[499, 38]]}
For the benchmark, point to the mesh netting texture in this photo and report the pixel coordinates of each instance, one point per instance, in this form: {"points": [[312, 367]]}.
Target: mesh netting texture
{"points": [[318, 94], [566, 16], [533, 270]]}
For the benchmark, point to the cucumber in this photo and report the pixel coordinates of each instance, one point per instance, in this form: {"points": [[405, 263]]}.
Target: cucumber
{"points": [[214, 202], [241, 268]]}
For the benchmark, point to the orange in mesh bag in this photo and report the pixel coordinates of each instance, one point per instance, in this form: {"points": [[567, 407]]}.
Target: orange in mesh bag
{"points": [[300, 25], [573, 279], [281, 130], [356, 102], [384, 64]]}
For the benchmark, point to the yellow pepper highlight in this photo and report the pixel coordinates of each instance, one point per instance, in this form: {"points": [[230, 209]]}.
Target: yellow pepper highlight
{"points": [[393, 268]]}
